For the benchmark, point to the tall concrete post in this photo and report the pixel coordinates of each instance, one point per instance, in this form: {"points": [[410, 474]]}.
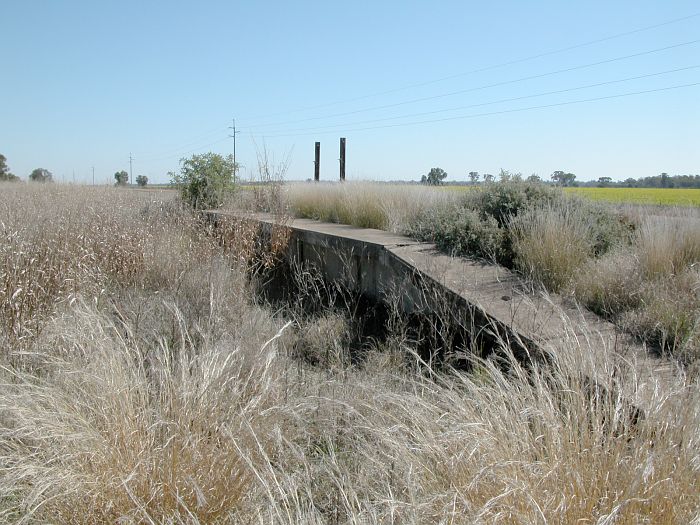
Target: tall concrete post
{"points": [[342, 159], [317, 162]]}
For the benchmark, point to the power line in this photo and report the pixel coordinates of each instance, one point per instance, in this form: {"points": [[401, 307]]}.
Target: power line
{"points": [[486, 68], [486, 86], [500, 101], [195, 141], [515, 110], [172, 153], [181, 154]]}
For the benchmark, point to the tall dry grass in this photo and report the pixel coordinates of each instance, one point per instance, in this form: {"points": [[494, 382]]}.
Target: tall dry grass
{"points": [[365, 204], [241, 433], [551, 244], [164, 396], [652, 287]]}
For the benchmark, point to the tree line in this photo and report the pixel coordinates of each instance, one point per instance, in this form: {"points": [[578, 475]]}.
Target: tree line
{"points": [[121, 178], [436, 176]]}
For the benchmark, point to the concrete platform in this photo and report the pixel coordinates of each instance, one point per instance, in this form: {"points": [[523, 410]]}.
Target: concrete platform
{"points": [[491, 297]]}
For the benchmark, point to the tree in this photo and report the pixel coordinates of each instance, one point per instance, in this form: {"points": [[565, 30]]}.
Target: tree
{"points": [[205, 179], [505, 175], [604, 182], [534, 178], [630, 182], [434, 177], [141, 180], [474, 176], [5, 174], [41, 175], [488, 177], [121, 178], [563, 179]]}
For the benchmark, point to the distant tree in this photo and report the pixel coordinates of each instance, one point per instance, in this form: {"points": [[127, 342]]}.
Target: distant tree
{"points": [[504, 175], [121, 178], [563, 179], [664, 180], [534, 178], [604, 182], [141, 180], [434, 177], [5, 174], [205, 179], [630, 182], [488, 177], [474, 176], [41, 175]]}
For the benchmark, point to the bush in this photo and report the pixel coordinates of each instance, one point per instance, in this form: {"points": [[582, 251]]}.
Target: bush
{"points": [[205, 179], [462, 232], [505, 200]]}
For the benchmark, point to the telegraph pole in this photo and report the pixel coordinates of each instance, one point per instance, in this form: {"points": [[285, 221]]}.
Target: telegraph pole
{"points": [[131, 160], [93, 175], [233, 136]]}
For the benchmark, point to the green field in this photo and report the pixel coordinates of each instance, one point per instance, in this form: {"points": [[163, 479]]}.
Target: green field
{"points": [[658, 196]]}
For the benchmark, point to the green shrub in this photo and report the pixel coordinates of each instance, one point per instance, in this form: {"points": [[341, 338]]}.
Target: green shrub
{"points": [[507, 199], [461, 231], [205, 179], [465, 233]]}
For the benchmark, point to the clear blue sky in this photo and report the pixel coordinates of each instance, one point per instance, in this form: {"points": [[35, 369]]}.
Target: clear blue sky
{"points": [[87, 83]]}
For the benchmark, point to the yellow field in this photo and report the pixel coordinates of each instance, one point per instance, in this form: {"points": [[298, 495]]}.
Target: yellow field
{"points": [[662, 196]]}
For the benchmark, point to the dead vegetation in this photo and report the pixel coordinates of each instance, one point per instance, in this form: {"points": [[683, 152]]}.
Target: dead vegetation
{"points": [[141, 383]]}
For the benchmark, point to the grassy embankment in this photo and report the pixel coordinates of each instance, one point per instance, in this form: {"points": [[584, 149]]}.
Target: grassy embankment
{"points": [[637, 268], [142, 384]]}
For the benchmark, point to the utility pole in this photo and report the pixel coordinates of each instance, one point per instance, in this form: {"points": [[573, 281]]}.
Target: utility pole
{"points": [[73, 176], [131, 160], [342, 159], [93, 175], [233, 136], [317, 162]]}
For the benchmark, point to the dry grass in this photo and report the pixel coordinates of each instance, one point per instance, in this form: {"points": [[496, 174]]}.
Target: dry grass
{"points": [[552, 244], [162, 396], [668, 245], [652, 287], [365, 204]]}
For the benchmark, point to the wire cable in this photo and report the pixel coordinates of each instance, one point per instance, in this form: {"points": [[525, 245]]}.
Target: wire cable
{"points": [[502, 112], [486, 86], [486, 68], [481, 104]]}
